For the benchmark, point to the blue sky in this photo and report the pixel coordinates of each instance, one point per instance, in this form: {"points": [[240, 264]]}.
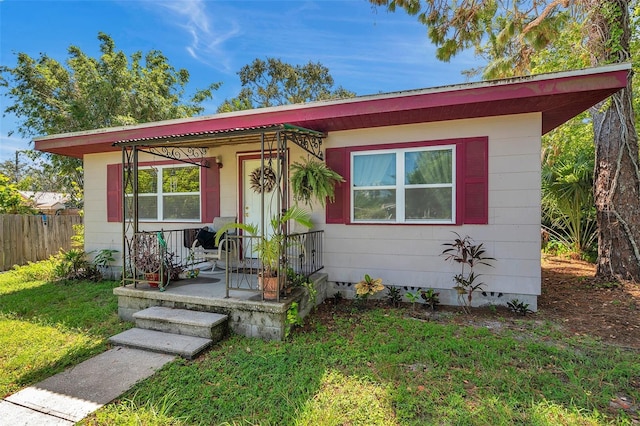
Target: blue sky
{"points": [[366, 49]]}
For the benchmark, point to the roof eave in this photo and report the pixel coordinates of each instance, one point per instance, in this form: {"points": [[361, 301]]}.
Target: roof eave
{"points": [[558, 96]]}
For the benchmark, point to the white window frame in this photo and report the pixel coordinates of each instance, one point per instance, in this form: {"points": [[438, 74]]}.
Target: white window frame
{"points": [[159, 195], [400, 186]]}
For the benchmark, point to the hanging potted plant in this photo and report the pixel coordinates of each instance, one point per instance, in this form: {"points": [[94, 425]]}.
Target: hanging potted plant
{"points": [[311, 179], [271, 247]]}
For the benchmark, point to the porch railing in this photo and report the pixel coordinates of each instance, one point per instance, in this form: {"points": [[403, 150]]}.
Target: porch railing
{"points": [[301, 258]]}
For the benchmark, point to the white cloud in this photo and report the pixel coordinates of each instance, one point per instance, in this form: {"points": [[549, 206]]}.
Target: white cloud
{"points": [[208, 32]]}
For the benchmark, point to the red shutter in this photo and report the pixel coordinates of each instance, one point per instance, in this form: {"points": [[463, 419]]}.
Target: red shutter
{"points": [[114, 192], [210, 191], [338, 160], [475, 181]]}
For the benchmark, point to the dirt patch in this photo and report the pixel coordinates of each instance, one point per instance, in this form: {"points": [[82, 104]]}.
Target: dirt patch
{"points": [[571, 298], [585, 305]]}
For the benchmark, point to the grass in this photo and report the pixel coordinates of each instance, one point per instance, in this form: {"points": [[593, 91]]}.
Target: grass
{"points": [[371, 366], [378, 367], [46, 327]]}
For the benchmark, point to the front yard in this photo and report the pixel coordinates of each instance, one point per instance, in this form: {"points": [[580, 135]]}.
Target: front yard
{"points": [[350, 365]]}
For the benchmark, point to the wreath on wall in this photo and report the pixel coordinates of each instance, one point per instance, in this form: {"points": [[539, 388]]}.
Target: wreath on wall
{"points": [[258, 185]]}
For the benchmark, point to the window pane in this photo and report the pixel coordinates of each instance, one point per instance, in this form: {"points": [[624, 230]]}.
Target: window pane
{"points": [[374, 170], [428, 203], [181, 207], [374, 205], [428, 167], [148, 208], [147, 181], [181, 179]]}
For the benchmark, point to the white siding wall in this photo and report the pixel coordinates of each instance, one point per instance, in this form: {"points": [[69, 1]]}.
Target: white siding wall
{"points": [[410, 255], [100, 234], [401, 255]]}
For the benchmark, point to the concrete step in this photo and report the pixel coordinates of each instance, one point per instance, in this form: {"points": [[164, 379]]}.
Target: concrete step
{"points": [[157, 341], [182, 321]]}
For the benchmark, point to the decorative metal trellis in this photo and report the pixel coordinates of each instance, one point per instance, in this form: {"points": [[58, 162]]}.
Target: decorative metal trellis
{"points": [[192, 148]]}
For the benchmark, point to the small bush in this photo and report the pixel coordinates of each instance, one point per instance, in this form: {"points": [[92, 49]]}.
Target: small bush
{"points": [[73, 265], [518, 307], [393, 296]]}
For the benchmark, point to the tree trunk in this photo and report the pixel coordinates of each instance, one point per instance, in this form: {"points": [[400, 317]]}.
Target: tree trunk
{"points": [[617, 174]]}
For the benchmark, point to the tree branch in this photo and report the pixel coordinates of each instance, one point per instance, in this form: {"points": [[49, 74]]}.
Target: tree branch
{"points": [[546, 12]]}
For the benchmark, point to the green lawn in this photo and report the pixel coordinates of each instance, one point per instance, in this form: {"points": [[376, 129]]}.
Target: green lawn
{"points": [[46, 327], [359, 367], [379, 367]]}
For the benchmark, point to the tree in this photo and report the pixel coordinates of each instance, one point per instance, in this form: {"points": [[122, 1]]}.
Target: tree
{"points": [[87, 93], [509, 33], [273, 82], [11, 202]]}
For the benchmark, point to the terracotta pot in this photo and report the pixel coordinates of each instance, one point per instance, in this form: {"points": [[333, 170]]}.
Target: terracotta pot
{"points": [[153, 278], [269, 286]]}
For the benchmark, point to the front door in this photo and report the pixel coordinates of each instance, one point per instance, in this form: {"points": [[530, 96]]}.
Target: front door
{"points": [[252, 200]]}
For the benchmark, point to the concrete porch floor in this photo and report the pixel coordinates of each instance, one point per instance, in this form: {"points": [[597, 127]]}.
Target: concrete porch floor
{"points": [[248, 314]]}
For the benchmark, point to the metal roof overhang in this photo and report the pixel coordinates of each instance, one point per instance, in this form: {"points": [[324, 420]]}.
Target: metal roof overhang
{"points": [[168, 146], [557, 96], [213, 138]]}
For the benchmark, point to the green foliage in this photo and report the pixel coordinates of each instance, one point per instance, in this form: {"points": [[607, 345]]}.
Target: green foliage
{"points": [[103, 260], [378, 367], [32, 271], [413, 298], [312, 293], [46, 328], [431, 298], [271, 247], [294, 279], [48, 97], [311, 179], [293, 319], [77, 239], [394, 297], [273, 82], [74, 265], [468, 255], [518, 307], [11, 202], [497, 30], [568, 210], [155, 410]]}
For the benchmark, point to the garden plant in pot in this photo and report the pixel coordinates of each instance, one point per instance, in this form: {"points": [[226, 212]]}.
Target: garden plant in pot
{"points": [[311, 179], [271, 247], [153, 260]]}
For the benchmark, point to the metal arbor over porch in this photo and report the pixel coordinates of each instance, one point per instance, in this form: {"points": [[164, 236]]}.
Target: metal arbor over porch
{"points": [[193, 148]]}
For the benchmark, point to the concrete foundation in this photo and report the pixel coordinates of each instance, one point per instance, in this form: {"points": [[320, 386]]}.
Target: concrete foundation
{"points": [[248, 314]]}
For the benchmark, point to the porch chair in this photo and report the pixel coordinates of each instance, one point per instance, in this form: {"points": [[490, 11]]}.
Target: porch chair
{"points": [[218, 253]]}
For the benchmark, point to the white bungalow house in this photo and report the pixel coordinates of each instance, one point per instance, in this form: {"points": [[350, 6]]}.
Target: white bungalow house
{"points": [[489, 133]]}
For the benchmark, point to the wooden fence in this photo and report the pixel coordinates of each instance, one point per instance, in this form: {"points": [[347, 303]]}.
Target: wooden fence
{"points": [[29, 238]]}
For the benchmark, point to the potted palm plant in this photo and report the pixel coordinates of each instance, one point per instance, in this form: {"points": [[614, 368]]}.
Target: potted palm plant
{"points": [[271, 246]]}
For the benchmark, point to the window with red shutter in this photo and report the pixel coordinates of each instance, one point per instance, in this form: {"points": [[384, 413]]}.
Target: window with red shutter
{"points": [[168, 191], [431, 182]]}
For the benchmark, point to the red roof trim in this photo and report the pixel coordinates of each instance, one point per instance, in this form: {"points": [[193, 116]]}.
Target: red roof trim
{"points": [[558, 98]]}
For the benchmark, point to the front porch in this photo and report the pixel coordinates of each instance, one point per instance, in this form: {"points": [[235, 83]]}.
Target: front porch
{"points": [[248, 314]]}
